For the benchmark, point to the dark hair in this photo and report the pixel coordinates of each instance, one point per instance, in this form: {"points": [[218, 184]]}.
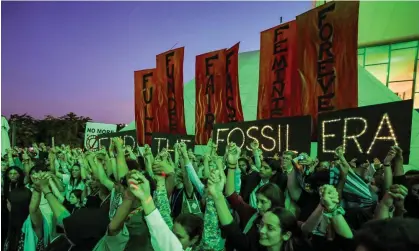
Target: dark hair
{"points": [[193, 224], [274, 164], [273, 193], [245, 161], [288, 223], [19, 199], [75, 181], [8, 185], [37, 169], [77, 192], [396, 234], [133, 165]]}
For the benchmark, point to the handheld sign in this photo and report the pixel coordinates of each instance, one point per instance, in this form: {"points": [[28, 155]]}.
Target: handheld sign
{"points": [[366, 131], [168, 141], [274, 135], [129, 138]]}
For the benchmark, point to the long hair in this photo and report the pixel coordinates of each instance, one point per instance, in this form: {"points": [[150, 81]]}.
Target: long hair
{"points": [[19, 199], [288, 223], [8, 185], [273, 193], [75, 181]]}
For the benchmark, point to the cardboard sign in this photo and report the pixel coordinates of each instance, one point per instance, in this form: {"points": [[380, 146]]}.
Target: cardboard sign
{"points": [[168, 141], [129, 138], [92, 131], [366, 131], [274, 135]]}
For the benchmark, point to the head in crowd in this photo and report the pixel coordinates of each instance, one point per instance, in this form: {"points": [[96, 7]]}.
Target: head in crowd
{"points": [[18, 207], [277, 229], [361, 166], [269, 168], [36, 169], [14, 177], [61, 156], [269, 196], [75, 197], [396, 234], [287, 158], [244, 165], [76, 172], [188, 228]]}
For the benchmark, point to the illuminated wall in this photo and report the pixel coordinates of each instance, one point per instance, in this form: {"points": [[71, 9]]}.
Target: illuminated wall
{"points": [[396, 66]]}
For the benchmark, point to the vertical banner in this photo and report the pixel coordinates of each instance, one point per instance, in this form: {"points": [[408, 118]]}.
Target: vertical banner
{"points": [[169, 77], [234, 111], [210, 81], [146, 103], [279, 89], [327, 57]]}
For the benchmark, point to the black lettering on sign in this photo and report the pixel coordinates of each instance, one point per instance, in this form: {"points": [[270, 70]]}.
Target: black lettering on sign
{"points": [[209, 91], [273, 135], [231, 111], [325, 63], [279, 68], [170, 71], [148, 98]]}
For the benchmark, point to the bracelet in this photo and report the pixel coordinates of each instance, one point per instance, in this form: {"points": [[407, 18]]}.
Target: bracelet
{"points": [[45, 195]]}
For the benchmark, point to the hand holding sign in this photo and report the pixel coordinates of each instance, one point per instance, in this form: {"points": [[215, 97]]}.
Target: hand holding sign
{"points": [[254, 145]]}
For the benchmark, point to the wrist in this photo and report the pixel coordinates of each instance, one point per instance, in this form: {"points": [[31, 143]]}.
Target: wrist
{"points": [[45, 189]]}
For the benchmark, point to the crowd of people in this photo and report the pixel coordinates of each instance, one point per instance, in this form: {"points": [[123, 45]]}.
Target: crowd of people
{"points": [[119, 198]]}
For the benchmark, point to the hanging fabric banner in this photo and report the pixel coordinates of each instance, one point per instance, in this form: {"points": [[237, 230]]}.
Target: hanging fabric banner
{"points": [[170, 80], [327, 57], [146, 103], [279, 89], [234, 111], [210, 84]]}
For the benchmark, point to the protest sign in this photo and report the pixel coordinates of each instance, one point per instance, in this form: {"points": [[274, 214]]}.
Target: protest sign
{"points": [[165, 140], [129, 138], [274, 135], [367, 131], [92, 131]]}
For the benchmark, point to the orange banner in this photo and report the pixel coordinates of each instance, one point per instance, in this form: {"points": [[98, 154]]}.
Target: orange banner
{"points": [[210, 82], [279, 87], [145, 92], [234, 111], [327, 57], [171, 113]]}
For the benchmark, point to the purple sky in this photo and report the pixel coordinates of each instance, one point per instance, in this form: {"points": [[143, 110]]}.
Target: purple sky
{"points": [[60, 57]]}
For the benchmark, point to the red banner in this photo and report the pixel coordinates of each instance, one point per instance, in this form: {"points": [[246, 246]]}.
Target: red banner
{"points": [[169, 77], [234, 111], [210, 82], [279, 89], [327, 57], [145, 92]]}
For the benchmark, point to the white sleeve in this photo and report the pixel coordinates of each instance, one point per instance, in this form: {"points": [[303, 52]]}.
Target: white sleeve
{"points": [[162, 238]]}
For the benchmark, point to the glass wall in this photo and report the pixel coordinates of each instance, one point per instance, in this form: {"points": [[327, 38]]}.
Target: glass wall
{"points": [[396, 66]]}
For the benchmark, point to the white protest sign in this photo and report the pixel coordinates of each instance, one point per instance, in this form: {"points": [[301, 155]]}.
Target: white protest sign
{"points": [[91, 141]]}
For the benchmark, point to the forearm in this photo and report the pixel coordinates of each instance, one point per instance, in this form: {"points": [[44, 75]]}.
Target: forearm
{"points": [[341, 227], [162, 203], [59, 211], [187, 182], [193, 177], [117, 223], [313, 221], [122, 168], [223, 212], [388, 177], [258, 163], [230, 187]]}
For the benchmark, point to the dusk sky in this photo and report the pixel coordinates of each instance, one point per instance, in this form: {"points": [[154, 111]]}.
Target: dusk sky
{"points": [[60, 57]]}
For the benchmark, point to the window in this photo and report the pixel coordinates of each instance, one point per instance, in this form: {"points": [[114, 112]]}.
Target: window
{"points": [[378, 71], [376, 55], [402, 64], [404, 45], [402, 89], [361, 60]]}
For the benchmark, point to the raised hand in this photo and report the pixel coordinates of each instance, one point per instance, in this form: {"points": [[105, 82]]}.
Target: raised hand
{"points": [[118, 142], [390, 156], [329, 197], [233, 154], [339, 152], [183, 149], [216, 183], [139, 186], [254, 145]]}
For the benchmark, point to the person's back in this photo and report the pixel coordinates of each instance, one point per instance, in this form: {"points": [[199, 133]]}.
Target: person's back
{"points": [[139, 234]]}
